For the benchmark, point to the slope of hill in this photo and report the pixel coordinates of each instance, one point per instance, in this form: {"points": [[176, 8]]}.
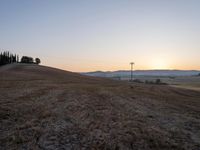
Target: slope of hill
{"points": [[48, 108]]}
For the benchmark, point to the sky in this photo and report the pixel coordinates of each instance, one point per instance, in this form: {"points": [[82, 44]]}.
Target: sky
{"points": [[90, 35]]}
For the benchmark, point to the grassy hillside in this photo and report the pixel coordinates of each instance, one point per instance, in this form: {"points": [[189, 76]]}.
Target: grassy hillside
{"points": [[48, 108]]}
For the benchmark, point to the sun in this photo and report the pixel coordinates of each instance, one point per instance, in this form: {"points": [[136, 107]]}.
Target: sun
{"points": [[159, 64]]}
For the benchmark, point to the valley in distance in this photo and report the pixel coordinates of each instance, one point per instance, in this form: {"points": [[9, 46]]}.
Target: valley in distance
{"points": [[47, 108]]}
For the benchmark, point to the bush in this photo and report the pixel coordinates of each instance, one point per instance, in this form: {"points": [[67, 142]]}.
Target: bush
{"points": [[149, 82], [158, 81], [137, 81]]}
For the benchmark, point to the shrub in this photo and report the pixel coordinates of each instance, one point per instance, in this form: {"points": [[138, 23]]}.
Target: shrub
{"points": [[149, 82], [158, 81], [137, 81]]}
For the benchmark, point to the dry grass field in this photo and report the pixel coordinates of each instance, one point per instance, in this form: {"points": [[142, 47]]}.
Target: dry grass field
{"points": [[190, 82], [186, 82], [46, 108]]}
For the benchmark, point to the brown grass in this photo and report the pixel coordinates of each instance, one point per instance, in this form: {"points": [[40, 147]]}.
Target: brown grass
{"points": [[47, 108]]}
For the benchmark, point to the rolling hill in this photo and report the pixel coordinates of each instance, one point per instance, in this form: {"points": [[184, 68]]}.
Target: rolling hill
{"points": [[159, 73], [47, 108]]}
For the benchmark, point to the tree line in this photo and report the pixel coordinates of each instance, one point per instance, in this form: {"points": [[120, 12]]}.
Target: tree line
{"points": [[7, 58]]}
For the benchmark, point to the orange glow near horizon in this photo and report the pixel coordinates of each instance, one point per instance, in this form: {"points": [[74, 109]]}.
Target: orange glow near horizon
{"points": [[154, 65], [150, 60]]}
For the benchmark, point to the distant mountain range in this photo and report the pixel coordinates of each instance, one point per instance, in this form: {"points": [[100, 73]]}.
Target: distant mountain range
{"points": [[126, 73]]}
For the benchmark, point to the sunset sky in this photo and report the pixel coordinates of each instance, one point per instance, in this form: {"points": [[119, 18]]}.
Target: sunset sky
{"points": [[90, 35]]}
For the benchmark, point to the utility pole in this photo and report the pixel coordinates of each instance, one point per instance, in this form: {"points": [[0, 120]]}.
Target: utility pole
{"points": [[132, 63]]}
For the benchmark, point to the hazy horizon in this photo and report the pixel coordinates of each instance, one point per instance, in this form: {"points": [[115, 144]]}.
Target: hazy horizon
{"points": [[143, 70], [83, 36]]}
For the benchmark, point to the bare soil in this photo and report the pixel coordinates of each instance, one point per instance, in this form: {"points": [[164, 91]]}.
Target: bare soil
{"points": [[48, 108]]}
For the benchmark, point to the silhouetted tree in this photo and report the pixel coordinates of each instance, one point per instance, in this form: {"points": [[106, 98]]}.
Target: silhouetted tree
{"points": [[37, 61], [7, 58], [26, 59]]}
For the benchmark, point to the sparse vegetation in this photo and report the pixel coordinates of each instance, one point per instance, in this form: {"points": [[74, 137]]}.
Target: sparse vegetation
{"points": [[157, 82]]}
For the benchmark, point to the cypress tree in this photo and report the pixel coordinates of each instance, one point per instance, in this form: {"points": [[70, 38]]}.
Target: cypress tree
{"points": [[6, 58]]}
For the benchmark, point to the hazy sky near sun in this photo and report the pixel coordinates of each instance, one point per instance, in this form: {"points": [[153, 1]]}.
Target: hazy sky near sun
{"points": [[89, 35]]}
